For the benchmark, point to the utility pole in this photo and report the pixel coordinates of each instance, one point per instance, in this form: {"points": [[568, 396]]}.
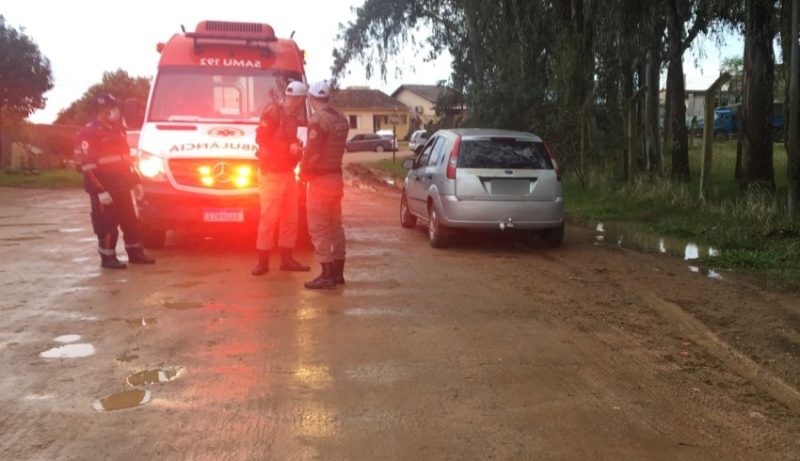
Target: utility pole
{"points": [[395, 119]]}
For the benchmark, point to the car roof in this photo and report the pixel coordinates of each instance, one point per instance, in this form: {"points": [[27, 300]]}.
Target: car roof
{"points": [[479, 133]]}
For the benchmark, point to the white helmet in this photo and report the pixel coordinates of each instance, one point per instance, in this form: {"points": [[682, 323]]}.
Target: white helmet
{"points": [[297, 89], [320, 90]]}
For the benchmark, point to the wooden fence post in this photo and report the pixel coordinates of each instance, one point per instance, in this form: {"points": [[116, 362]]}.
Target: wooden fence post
{"points": [[630, 164], [708, 134]]}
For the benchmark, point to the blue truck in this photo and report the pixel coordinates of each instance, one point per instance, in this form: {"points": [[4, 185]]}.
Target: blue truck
{"points": [[726, 122]]}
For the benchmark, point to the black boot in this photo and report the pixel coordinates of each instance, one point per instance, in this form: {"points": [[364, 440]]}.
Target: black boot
{"points": [[263, 263], [338, 275], [325, 280], [289, 264], [111, 262], [136, 256]]}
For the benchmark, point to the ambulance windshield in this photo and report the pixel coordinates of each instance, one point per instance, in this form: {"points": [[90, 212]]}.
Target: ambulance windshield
{"points": [[216, 95]]}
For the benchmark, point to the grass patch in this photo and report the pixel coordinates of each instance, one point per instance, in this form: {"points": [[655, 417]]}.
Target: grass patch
{"points": [[752, 230], [49, 179], [394, 170]]}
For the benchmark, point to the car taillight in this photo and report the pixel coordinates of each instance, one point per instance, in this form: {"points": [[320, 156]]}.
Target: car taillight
{"points": [[553, 160], [452, 163]]}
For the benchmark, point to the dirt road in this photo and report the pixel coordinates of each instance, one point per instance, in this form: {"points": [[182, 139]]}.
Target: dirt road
{"points": [[493, 349]]}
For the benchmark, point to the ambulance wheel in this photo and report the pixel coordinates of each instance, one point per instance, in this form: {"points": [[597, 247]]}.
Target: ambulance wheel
{"points": [[153, 238]]}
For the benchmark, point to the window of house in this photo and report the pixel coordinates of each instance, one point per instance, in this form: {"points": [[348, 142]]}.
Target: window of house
{"points": [[353, 122]]}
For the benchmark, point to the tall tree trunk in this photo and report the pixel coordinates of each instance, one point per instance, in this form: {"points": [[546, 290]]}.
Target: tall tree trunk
{"points": [[652, 104], [627, 94], [665, 144], [759, 63], [679, 144], [793, 81]]}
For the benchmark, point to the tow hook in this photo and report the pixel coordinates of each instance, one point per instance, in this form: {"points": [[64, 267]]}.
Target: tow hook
{"points": [[508, 225]]}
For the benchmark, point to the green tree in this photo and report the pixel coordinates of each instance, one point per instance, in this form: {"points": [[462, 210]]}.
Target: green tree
{"points": [[25, 76], [757, 108], [734, 90], [119, 83], [685, 20]]}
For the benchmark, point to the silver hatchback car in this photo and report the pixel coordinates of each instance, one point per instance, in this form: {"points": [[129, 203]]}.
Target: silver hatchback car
{"points": [[484, 179]]}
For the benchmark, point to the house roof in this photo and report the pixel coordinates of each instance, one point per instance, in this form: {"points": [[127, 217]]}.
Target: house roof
{"points": [[429, 92], [365, 98]]}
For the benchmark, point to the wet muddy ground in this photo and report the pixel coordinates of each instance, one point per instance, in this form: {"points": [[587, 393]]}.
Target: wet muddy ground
{"points": [[494, 348]]}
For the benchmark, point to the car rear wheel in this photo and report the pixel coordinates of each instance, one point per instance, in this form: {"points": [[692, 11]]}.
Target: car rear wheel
{"points": [[379, 148], [438, 234], [407, 219], [153, 238], [553, 237]]}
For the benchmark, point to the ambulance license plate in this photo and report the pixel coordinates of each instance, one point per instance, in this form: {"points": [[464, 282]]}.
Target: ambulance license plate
{"points": [[224, 215]]}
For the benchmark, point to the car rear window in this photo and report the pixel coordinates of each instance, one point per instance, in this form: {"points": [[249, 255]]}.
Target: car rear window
{"points": [[506, 153]]}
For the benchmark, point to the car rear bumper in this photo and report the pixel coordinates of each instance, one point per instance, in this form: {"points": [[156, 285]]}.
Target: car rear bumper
{"points": [[486, 214]]}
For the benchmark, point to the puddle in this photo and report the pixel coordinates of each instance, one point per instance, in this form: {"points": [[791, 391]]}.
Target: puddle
{"points": [[375, 373], [373, 312], [627, 238], [123, 400], [183, 305], [69, 351], [143, 378], [688, 250], [710, 273], [143, 322], [186, 284], [39, 397], [72, 230], [125, 358], [68, 339]]}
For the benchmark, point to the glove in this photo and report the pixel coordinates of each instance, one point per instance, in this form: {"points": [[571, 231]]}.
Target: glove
{"points": [[138, 192], [105, 198]]}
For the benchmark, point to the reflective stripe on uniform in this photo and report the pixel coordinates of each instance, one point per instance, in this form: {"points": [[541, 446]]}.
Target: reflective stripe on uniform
{"points": [[89, 166], [110, 159], [135, 245], [105, 252]]}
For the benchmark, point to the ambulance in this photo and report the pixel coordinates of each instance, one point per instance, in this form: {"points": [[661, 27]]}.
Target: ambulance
{"points": [[196, 151]]}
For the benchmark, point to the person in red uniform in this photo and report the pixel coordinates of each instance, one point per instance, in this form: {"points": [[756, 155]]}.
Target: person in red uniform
{"points": [[109, 178], [279, 151]]}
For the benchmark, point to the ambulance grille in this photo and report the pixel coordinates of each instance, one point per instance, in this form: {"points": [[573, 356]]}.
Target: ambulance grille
{"points": [[187, 172]]}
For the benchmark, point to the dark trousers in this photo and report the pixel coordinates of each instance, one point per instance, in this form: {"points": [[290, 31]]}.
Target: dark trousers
{"points": [[108, 219]]}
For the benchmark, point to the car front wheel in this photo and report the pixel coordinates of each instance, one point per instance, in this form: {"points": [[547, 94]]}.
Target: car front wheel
{"points": [[407, 219], [379, 148]]}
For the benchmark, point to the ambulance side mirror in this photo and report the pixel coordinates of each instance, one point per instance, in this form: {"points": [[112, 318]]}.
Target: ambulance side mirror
{"points": [[133, 112]]}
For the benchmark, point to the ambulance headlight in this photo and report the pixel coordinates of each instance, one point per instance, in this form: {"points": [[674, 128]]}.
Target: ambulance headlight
{"points": [[151, 166]]}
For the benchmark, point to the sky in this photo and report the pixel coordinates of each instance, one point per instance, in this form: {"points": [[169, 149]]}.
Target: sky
{"points": [[84, 38]]}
